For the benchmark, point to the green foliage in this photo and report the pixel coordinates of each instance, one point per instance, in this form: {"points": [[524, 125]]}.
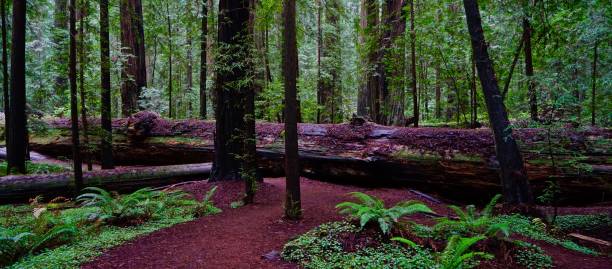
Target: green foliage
{"points": [[36, 168], [136, 207], [321, 248], [532, 257], [372, 209], [473, 223], [456, 255], [570, 223], [524, 226]]}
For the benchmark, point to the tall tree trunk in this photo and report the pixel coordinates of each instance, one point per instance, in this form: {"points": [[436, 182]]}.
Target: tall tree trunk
{"points": [[514, 181], [438, 93], [82, 66], [533, 100], [319, 51], [74, 107], [473, 95], [203, 66], [5, 75], [415, 100], [169, 28], [594, 86], [232, 96], [134, 76], [362, 94], [290, 69], [17, 148], [105, 93], [374, 64], [60, 38]]}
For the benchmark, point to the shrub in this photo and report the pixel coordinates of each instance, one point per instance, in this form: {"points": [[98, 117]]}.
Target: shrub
{"points": [[456, 255], [473, 223], [372, 209], [134, 208], [532, 257]]}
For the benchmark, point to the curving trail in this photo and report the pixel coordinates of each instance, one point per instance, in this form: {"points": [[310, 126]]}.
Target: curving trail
{"points": [[238, 238]]}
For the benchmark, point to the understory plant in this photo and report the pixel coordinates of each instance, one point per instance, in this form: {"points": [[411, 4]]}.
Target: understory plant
{"points": [[456, 254], [133, 208], [470, 222], [12, 247], [370, 209]]}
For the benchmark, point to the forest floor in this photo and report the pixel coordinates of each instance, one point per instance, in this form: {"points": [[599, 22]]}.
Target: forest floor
{"points": [[252, 236]]}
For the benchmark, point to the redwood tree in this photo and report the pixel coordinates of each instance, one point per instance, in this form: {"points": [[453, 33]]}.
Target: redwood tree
{"points": [[290, 70], [5, 75], [514, 179], [235, 124], [74, 107], [203, 67], [17, 146], [533, 100], [105, 89], [134, 75]]}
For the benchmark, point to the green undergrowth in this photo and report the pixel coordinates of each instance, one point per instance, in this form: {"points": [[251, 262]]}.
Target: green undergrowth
{"points": [[413, 155], [36, 168], [535, 230], [65, 234]]}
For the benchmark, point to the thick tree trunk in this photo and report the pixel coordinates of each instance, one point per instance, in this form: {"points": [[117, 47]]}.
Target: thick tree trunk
{"points": [[134, 75], [533, 99], [203, 66], [290, 69], [329, 93], [232, 94], [105, 90], [17, 146], [74, 107], [319, 52], [5, 75], [515, 184]]}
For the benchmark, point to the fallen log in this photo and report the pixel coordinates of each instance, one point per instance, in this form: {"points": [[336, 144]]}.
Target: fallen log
{"points": [[457, 161], [22, 187]]}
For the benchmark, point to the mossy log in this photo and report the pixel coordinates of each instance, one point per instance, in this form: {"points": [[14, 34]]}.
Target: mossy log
{"points": [[22, 187]]}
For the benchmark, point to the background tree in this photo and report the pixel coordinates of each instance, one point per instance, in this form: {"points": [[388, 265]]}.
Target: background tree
{"points": [[134, 76], [290, 70], [203, 64], [5, 75], [74, 107], [515, 184]]}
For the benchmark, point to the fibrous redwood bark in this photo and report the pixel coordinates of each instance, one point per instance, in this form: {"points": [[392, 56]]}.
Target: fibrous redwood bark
{"points": [[290, 70], [105, 90], [515, 185], [134, 75], [17, 146], [74, 114], [234, 120], [5, 75], [203, 66], [533, 99]]}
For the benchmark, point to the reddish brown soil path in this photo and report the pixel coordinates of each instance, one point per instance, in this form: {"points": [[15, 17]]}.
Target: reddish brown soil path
{"points": [[238, 238]]}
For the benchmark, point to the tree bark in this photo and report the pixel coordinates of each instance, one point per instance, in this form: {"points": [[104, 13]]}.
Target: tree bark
{"points": [[105, 90], [134, 75], [74, 107], [203, 66], [594, 86], [82, 66], [290, 70], [232, 92], [515, 184], [5, 75], [60, 22], [438, 93], [413, 82], [169, 28], [533, 99], [17, 148]]}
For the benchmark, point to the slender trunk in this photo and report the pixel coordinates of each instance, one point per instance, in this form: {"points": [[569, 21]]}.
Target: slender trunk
{"points": [[415, 101], [17, 148], [82, 66], [74, 114], [290, 69], [473, 95], [189, 75], [134, 75], [203, 66], [5, 75], [319, 51], [105, 94], [533, 101], [60, 22], [513, 175], [169, 27], [514, 61], [438, 93], [594, 86]]}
